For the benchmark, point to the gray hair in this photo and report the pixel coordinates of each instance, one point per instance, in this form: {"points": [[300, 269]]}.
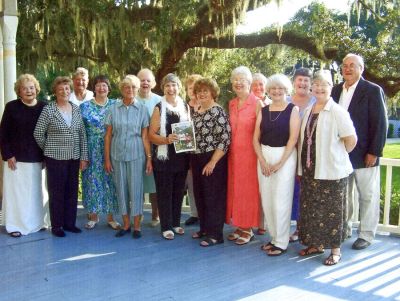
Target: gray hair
{"points": [[260, 77], [152, 77], [170, 77], [80, 71], [279, 80], [242, 70], [359, 59], [323, 75], [130, 79]]}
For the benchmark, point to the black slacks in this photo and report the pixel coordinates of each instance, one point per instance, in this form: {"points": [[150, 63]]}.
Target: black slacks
{"points": [[170, 190], [62, 184], [210, 194]]}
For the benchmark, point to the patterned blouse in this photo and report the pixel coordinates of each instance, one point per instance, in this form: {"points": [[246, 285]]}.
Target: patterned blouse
{"points": [[212, 130]]}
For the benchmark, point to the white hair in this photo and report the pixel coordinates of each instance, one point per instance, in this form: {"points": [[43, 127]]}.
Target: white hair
{"points": [[279, 80], [359, 59], [244, 71], [323, 75], [260, 77]]}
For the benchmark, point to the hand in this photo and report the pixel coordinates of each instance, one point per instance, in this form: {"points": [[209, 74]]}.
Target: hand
{"points": [[370, 160], [208, 169], [274, 168], [171, 138], [83, 165], [149, 166], [12, 163], [265, 167], [108, 167]]}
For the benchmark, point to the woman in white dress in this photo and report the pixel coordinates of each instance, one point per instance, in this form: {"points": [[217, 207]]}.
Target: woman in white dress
{"points": [[23, 210]]}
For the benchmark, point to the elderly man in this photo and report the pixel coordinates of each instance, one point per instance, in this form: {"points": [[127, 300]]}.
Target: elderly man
{"points": [[365, 103], [80, 80]]}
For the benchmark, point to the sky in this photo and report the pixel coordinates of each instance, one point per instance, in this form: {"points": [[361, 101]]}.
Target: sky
{"points": [[270, 14]]}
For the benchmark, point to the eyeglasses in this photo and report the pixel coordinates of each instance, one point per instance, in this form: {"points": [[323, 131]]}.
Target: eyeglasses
{"points": [[320, 85], [239, 81], [277, 88]]}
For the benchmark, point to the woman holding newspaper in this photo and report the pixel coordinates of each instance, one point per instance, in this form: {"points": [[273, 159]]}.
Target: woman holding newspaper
{"points": [[170, 166]]}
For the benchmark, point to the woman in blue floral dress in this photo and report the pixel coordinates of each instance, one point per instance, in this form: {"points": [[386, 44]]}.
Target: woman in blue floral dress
{"points": [[98, 191]]}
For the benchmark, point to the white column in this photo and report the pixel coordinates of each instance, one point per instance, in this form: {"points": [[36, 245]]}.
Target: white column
{"points": [[9, 28]]}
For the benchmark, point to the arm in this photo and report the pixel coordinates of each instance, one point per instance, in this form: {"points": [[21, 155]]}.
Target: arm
{"points": [[6, 130], [84, 162], [257, 146], [349, 142], [377, 125], [154, 128], [107, 147], [295, 122], [147, 150], [40, 132]]}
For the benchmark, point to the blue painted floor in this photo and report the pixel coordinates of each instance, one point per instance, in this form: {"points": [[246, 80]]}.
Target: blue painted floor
{"points": [[94, 265]]}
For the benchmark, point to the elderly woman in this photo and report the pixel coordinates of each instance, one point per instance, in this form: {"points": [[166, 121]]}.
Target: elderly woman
{"points": [[61, 135], [243, 201], [127, 153], [258, 89], [170, 168], [209, 162], [80, 93], [98, 191], [150, 99], [327, 136], [302, 98], [275, 137], [22, 180], [194, 106]]}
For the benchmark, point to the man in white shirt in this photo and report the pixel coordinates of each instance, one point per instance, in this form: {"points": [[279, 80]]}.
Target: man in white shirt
{"points": [[365, 103], [80, 81]]}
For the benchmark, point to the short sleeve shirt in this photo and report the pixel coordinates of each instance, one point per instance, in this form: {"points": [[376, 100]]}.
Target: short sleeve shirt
{"points": [[127, 123]]}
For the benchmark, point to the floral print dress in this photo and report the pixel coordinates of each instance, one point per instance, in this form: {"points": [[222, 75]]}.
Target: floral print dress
{"points": [[98, 191]]}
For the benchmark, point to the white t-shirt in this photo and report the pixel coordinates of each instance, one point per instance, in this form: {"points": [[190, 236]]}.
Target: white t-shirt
{"points": [[89, 96], [332, 160], [347, 95]]}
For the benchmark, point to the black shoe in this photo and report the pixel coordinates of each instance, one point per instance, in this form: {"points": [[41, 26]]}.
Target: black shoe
{"points": [[122, 232], [58, 232], [73, 229], [191, 221], [137, 234], [360, 244]]}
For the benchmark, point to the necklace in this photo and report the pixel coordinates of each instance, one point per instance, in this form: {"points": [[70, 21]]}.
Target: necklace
{"points": [[33, 103], [309, 134], [276, 118], [100, 104]]}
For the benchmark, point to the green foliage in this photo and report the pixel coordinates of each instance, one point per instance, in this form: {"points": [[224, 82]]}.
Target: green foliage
{"points": [[390, 130]]}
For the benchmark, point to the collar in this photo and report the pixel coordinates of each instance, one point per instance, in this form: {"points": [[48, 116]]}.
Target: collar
{"points": [[352, 87], [133, 104]]}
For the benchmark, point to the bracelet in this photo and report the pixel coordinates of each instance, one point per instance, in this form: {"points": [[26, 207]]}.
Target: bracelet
{"points": [[148, 156]]}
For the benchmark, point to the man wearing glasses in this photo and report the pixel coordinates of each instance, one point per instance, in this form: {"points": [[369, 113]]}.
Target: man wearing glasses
{"points": [[365, 103]]}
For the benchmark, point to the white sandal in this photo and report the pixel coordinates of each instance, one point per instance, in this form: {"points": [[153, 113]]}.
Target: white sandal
{"points": [[179, 230], [168, 235], [91, 224], [114, 225]]}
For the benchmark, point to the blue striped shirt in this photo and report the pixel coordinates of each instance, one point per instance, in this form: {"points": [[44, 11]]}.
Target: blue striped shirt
{"points": [[127, 123]]}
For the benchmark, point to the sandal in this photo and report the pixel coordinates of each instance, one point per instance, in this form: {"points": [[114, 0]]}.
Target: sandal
{"points": [[209, 242], [198, 234], [178, 230], [276, 249], [311, 251], [294, 237], [235, 235], [245, 238], [114, 225], [267, 247], [15, 234], [332, 259], [168, 235], [261, 231], [91, 224]]}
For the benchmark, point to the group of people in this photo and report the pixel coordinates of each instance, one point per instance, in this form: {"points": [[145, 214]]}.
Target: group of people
{"points": [[274, 156]]}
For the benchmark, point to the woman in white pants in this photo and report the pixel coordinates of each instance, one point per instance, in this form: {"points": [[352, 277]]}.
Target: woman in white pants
{"points": [[275, 137]]}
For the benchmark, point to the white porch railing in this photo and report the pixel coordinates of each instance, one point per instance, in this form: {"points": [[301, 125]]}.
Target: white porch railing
{"points": [[384, 227]]}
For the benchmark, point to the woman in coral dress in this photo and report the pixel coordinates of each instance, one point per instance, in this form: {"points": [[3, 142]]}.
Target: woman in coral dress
{"points": [[243, 204]]}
